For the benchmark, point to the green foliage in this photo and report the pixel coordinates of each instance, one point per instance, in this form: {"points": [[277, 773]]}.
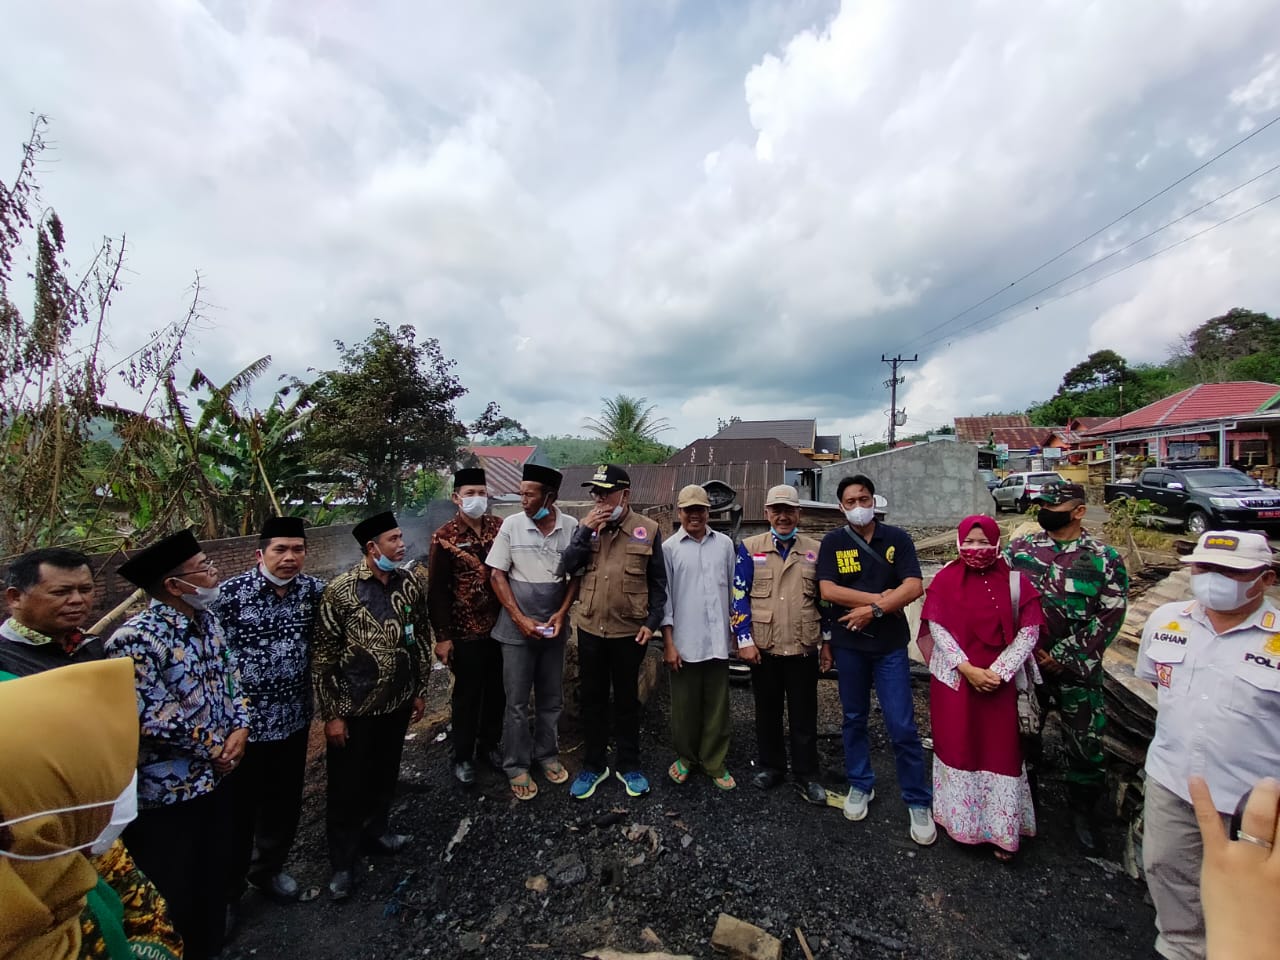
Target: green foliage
{"points": [[427, 485], [385, 413], [869, 448], [563, 451], [630, 429]]}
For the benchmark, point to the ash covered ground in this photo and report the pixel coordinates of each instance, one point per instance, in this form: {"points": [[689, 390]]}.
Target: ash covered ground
{"points": [[556, 877]]}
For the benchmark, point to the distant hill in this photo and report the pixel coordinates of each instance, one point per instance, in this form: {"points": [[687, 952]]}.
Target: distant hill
{"points": [[563, 451]]}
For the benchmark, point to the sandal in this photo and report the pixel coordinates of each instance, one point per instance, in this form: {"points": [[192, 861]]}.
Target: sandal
{"points": [[678, 771], [555, 772], [725, 781], [1004, 856], [523, 787]]}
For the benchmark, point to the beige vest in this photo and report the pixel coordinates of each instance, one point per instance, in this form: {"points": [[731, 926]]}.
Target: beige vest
{"points": [[784, 595], [614, 598]]}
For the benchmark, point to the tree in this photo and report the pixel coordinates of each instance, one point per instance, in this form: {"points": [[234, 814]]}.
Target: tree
{"points": [[1238, 345], [630, 430], [386, 413], [1102, 368], [722, 423], [492, 424]]}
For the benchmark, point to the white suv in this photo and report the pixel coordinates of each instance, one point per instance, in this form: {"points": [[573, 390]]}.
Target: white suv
{"points": [[1017, 490]]}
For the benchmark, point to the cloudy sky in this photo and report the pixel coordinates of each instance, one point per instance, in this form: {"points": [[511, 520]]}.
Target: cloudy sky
{"points": [[727, 206]]}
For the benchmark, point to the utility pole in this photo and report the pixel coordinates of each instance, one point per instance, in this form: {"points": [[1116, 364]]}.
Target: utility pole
{"points": [[892, 384]]}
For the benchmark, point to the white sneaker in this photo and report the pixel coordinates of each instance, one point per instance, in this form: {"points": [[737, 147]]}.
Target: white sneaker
{"points": [[923, 831], [855, 804]]}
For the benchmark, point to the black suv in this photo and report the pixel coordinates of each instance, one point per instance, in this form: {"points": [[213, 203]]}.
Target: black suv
{"points": [[1204, 498]]}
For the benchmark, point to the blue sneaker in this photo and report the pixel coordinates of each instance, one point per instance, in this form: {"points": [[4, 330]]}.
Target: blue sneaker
{"points": [[636, 783], [584, 785]]}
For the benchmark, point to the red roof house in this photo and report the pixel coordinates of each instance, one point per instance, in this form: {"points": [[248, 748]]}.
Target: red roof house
{"points": [[1204, 401]]}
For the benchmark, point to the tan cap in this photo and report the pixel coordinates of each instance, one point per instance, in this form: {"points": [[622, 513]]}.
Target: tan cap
{"points": [[1239, 551], [783, 495], [693, 496]]}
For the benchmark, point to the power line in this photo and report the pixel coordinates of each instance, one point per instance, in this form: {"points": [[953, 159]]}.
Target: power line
{"points": [[1114, 253], [1102, 229], [892, 384], [1107, 276]]}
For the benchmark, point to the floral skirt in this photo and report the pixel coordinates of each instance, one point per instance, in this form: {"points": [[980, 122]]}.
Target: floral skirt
{"points": [[975, 806]]}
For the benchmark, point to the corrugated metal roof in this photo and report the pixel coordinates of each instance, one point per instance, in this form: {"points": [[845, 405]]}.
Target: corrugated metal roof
{"points": [[520, 454], [1019, 438], [654, 484], [977, 429], [796, 433], [1204, 401], [501, 476], [744, 450]]}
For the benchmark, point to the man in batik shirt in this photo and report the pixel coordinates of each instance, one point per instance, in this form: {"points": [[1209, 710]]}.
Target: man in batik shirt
{"points": [[194, 726], [370, 663], [267, 614], [1084, 592], [464, 610]]}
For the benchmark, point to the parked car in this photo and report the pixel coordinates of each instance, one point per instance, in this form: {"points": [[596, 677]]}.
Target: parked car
{"points": [[989, 477], [1203, 498], [1017, 490]]}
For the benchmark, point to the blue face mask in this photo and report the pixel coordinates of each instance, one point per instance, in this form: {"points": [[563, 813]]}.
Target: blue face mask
{"points": [[542, 513], [383, 564], [783, 536]]}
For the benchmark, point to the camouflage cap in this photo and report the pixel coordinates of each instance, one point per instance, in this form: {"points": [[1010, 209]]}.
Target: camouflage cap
{"points": [[1057, 493]]}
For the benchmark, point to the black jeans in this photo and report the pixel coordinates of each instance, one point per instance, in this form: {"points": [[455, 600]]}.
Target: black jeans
{"points": [[605, 662], [478, 700], [791, 682], [362, 783], [266, 793], [185, 850]]}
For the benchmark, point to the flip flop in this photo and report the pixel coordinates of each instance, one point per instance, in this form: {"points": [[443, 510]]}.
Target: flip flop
{"points": [[725, 781], [678, 771], [523, 787], [1004, 856], [555, 772]]}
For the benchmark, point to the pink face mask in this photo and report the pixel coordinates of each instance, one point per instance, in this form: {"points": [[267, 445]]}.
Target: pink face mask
{"points": [[979, 557]]}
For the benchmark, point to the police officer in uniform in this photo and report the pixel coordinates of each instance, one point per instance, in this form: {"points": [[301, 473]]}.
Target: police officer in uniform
{"points": [[1215, 661], [1084, 590]]}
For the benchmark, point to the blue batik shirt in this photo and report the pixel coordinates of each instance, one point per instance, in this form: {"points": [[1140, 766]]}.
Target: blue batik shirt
{"points": [[189, 700], [271, 638]]}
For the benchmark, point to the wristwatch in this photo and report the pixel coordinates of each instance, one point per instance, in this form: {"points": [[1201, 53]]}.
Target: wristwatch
{"points": [[876, 612]]}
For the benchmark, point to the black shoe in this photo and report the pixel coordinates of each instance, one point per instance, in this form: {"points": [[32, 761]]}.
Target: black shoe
{"points": [[279, 887], [340, 885], [464, 771], [767, 779], [387, 844], [494, 759], [1083, 830], [813, 792]]}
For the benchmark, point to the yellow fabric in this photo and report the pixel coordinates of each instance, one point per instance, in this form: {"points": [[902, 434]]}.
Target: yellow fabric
{"points": [[67, 737]]}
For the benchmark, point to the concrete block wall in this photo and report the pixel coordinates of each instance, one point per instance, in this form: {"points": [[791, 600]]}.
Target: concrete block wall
{"points": [[929, 484]]}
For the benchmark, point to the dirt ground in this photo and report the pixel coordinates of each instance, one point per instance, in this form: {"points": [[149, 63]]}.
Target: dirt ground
{"points": [[556, 877]]}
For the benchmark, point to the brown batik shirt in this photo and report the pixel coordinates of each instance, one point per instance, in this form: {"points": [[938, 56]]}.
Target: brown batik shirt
{"points": [[460, 597], [370, 653]]}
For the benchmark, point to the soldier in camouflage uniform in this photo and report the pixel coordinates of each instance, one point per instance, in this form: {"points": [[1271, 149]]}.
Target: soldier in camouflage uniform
{"points": [[1083, 589]]}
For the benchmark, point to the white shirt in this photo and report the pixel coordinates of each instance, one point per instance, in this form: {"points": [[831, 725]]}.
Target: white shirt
{"points": [[522, 552], [699, 590], [1219, 700]]}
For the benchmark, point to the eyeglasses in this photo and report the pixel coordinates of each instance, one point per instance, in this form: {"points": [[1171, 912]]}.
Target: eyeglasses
{"points": [[598, 494], [207, 567]]}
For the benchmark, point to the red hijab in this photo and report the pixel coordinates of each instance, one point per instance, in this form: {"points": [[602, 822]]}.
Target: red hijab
{"points": [[975, 605]]}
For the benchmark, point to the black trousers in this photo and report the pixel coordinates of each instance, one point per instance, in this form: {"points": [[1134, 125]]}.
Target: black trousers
{"points": [[362, 783], [478, 699], [266, 792], [605, 662], [791, 682], [185, 850]]}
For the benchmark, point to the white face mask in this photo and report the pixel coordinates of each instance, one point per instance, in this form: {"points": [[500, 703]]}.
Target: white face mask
{"points": [[272, 578], [615, 513], [860, 516], [124, 810], [202, 597], [1217, 591], [474, 507]]}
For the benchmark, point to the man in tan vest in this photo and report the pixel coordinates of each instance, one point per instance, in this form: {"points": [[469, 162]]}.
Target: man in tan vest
{"points": [[777, 571], [620, 607]]}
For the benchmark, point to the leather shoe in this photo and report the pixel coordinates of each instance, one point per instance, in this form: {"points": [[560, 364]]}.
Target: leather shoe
{"points": [[280, 887], [814, 792], [340, 885], [464, 771], [387, 844], [766, 779], [1083, 829]]}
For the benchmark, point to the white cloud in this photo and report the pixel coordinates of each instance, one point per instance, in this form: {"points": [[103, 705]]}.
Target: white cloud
{"points": [[731, 210]]}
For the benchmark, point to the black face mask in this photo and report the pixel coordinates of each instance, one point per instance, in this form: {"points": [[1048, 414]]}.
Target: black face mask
{"points": [[1054, 519]]}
